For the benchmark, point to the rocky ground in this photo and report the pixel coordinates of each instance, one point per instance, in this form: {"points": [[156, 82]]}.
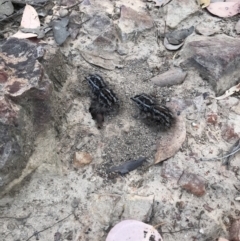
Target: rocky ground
{"points": [[65, 191]]}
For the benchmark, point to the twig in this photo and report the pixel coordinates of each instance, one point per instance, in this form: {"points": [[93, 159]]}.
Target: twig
{"points": [[8, 18], [165, 21], [32, 4], [199, 218], [18, 219], [156, 27], [158, 225], [234, 148], [219, 158], [84, 22], [174, 56], [109, 194], [36, 233], [6, 30], [185, 229], [75, 4], [178, 231]]}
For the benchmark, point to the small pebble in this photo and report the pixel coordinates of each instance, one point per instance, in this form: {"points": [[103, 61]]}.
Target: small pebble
{"points": [[63, 12], [81, 159], [122, 49], [237, 199], [194, 124], [75, 202]]}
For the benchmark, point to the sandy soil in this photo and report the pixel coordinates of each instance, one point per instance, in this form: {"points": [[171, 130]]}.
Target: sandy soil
{"points": [[54, 198]]}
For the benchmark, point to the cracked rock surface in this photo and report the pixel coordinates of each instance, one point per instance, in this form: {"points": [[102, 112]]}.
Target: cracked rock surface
{"points": [[25, 105]]}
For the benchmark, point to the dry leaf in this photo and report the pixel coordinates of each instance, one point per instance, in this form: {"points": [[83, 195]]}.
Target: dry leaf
{"points": [[224, 9], [229, 92], [204, 3], [29, 20], [171, 140], [161, 3]]}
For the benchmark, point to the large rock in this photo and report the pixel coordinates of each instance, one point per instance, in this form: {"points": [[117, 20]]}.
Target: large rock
{"points": [[98, 23], [101, 41], [179, 11], [132, 23], [107, 41], [24, 105], [6, 8], [216, 58]]}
